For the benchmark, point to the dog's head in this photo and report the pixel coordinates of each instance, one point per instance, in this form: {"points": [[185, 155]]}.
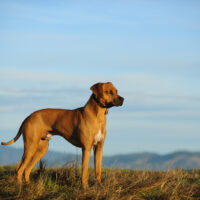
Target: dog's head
{"points": [[106, 95]]}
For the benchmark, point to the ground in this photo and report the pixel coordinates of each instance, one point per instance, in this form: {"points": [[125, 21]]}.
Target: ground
{"points": [[65, 183]]}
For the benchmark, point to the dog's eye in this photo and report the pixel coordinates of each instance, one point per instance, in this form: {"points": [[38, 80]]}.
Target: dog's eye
{"points": [[109, 92]]}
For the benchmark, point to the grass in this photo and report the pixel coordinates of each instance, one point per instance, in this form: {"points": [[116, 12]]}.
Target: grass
{"points": [[65, 183]]}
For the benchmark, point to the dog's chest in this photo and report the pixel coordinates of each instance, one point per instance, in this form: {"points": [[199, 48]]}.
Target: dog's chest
{"points": [[98, 137]]}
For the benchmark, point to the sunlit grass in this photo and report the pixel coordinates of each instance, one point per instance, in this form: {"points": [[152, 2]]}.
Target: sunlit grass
{"points": [[65, 183]]}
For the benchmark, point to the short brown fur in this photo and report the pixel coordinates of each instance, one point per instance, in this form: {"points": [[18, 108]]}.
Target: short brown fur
{"points": [[78, 126]]}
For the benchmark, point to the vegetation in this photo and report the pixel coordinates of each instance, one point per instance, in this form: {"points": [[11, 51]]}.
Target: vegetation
{"points": [[65, 183]]}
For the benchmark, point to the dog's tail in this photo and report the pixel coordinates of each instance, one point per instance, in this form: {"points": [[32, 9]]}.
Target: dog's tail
{"points": [[17, 136]]}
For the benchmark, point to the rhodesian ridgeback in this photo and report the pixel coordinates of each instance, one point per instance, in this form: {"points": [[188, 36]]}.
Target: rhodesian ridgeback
{"points": [[84, 127]]}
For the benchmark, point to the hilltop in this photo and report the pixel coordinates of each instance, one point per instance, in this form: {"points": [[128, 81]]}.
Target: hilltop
{"points": [[65, 183]]}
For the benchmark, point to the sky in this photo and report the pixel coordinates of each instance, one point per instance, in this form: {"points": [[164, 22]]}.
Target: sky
{"points": [[52, 52]]}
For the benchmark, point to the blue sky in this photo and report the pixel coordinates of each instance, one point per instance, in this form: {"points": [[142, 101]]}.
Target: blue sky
{"points": [[51, 52]]}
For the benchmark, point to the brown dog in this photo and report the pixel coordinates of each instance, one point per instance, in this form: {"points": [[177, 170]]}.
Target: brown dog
{"points": [[83, 127]]}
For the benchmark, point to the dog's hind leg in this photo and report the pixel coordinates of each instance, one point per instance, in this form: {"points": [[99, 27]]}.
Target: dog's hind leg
{"points": [[19, 165], [31, 142], [41, 151], [28, 154]]}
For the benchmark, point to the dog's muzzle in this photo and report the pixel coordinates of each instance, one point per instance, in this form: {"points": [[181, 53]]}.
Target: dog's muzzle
{"points": [[118, 101]]}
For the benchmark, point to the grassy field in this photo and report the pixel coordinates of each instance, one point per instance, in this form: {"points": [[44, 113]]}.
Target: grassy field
{"points": [[65, 183]]}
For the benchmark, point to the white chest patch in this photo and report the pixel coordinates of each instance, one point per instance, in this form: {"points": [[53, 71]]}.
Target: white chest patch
{"points": [[98, 137]]}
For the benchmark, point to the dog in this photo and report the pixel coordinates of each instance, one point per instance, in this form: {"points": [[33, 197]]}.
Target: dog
{"points": [[84, 127]]}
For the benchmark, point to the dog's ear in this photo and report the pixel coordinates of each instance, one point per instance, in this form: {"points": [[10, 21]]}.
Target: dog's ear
{"points": [[96, 88]]}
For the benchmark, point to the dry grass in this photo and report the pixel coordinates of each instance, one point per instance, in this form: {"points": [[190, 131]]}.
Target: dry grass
{"points": [[65, 183]]}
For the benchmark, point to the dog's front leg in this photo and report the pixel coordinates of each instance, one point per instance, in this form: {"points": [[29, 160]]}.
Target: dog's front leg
{"points": [[85, 163], [98, 153]]}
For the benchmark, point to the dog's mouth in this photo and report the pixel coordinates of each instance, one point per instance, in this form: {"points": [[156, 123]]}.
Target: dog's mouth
{"points": [[109, 104], [117, 102]]}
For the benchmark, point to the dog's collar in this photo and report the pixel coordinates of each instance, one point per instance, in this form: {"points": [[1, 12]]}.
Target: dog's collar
{"points": [[98, 102]]}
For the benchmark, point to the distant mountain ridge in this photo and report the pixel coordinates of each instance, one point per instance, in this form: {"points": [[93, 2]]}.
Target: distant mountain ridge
{"points": [[152, 161], [148, 161]]}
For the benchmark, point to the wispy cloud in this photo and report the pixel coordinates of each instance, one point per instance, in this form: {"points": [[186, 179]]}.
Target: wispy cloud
{"points": [[143, 92]]}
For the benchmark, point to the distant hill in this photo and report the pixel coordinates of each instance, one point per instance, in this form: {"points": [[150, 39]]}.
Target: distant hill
{"points": [[151, 161], [10, 155]]}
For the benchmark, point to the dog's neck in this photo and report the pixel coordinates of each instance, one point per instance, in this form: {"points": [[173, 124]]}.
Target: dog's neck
{"points": [[94, 104]]}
